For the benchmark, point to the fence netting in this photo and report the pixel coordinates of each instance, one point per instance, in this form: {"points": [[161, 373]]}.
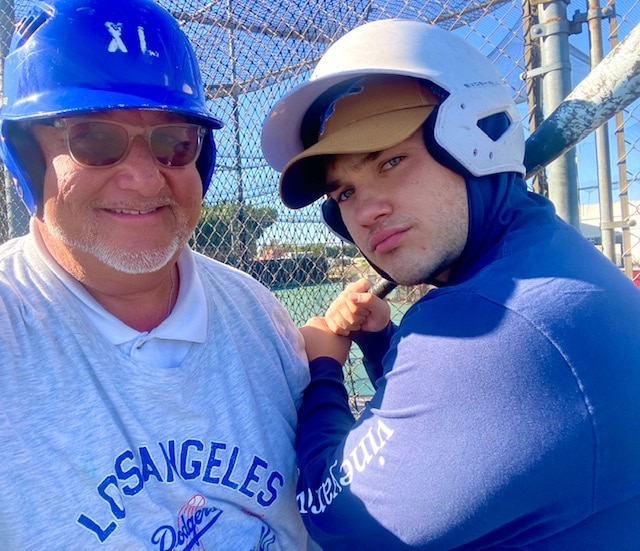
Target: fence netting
{"points": [[253, 51]]}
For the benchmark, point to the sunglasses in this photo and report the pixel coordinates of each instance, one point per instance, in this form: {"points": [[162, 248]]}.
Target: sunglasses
{"points": [[102, 144]]}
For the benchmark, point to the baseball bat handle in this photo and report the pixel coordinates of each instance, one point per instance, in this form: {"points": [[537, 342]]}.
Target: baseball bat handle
{"points": [[382, 288], [612, 85]]}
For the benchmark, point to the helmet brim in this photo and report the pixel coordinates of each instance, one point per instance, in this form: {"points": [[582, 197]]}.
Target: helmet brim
{"points": [[77, 101]]}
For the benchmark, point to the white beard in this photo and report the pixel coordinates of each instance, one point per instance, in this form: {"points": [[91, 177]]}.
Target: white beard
{"points": [[129, 262], [136, 262]]}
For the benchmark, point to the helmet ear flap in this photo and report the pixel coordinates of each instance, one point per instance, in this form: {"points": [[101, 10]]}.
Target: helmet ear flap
{"points": [[25, 153], [207, 160], [439, 153], [333, 219], [493, 126]]}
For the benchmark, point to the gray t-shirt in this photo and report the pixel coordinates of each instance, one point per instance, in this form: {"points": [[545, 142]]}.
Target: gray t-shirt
{"points": [[101, 450]]}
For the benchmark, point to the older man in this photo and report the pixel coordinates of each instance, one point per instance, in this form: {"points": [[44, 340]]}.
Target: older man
{"points": [[147, 394]]}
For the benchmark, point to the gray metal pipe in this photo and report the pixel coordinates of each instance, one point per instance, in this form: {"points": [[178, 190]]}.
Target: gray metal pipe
{"points": [[562, 174], [602, 142]]}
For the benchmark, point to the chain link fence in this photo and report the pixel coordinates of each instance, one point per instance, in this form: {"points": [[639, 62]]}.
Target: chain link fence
{"points": [[253, 51]]}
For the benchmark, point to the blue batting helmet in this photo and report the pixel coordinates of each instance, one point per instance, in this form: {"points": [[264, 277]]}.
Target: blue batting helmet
{"points": [[79, 56]]}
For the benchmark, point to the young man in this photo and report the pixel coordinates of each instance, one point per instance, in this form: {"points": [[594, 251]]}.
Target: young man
{"points": [[148, 394], [506, 410]]}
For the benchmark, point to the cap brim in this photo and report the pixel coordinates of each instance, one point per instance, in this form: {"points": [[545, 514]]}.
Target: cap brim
{"points": [[280, 137], [303, 178]]}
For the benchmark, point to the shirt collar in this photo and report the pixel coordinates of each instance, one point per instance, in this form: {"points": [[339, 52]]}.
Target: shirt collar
{"points": [[187, 321]]}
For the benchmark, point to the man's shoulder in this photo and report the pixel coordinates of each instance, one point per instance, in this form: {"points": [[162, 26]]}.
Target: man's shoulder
{"points": [[13, 253], [12, 246]]}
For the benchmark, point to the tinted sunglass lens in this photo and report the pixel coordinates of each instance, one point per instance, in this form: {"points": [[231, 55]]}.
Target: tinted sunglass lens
{"points": [[176, 145], [95, 143]]}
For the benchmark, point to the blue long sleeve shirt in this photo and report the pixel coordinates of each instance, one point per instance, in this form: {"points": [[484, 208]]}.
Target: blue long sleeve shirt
{"points": [[507, 405]]}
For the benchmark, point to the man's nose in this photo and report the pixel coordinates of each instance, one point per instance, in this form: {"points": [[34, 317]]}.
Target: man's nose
{"points": [[140, 170]]}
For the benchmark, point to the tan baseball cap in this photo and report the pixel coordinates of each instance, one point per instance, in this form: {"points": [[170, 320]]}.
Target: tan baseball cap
{"points": [[375, 113]]}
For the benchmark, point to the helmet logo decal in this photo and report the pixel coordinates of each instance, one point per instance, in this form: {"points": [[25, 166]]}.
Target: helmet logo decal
{"points": [[355, 88], [115, 30], [118, 45], [143, 43]]}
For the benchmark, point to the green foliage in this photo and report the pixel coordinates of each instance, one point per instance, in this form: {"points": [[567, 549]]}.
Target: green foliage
{"points": [[228, 231]]}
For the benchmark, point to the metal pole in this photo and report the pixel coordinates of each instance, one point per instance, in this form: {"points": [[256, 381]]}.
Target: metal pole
{"points": [[602, 141], [532, 84], [239, 239], [562, 174], [627, 257]]}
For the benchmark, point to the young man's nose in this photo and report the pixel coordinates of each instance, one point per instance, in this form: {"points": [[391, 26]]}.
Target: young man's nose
{"points": [[371, 204]]}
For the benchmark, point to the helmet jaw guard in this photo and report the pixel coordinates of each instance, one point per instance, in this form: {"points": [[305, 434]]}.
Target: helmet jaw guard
{"points": [[81, 56]]}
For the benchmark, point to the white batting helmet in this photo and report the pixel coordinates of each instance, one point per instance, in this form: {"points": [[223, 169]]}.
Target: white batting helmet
{"points": [[473, 91]]}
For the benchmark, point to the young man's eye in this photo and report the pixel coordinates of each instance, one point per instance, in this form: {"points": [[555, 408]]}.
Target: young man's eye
{"points": [[345, 194], [342, 195], [392, 162]]}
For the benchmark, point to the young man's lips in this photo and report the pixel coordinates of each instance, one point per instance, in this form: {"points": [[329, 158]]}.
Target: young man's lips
{"points": [[386, 239]]}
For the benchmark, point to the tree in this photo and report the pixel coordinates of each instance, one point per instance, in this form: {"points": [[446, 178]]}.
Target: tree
{"points": [[228, 231]]}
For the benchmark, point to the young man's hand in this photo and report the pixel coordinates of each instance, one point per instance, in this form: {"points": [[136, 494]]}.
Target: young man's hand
{"points": [[320, 341], [355, 309]]}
